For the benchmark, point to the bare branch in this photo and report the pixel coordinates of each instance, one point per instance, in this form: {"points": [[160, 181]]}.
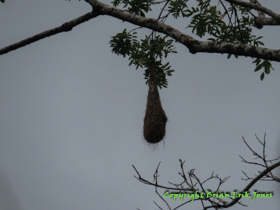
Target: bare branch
{"points": [[156, 185], [253, 163], [254, 153], [215, 202], [180, 188], [253, 182], [161, 199], [63, 28], [267, 177]]}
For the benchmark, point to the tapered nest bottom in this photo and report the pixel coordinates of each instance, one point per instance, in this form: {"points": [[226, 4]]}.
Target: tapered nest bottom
{"points": [[155, 119], [154, 132]]}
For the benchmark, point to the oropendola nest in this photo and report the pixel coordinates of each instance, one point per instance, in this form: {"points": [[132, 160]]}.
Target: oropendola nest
{"points": [[155, 117]]}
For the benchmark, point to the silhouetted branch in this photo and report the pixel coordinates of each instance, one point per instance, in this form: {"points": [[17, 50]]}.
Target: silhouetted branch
{"points": [[192, 181], [63, 28], [265, 163]]}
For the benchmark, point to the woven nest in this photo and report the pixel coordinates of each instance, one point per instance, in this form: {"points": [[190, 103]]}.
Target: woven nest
{"points": [[155, 117]]}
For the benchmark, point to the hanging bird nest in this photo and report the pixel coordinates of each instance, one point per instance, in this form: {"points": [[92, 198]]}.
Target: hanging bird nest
{"points": [[155, 117]]}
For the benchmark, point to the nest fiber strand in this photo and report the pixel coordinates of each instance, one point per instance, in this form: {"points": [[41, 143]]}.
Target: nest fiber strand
{"points": [[155, 117]]}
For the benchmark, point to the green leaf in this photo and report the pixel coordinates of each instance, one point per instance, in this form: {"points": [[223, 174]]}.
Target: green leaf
{"points": [[257, 61], [258, 67], [138, 7], [262, 76]]}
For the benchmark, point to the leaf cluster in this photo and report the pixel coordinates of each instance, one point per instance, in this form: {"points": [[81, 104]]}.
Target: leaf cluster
{"points": [[178, 8], [265, 64], [205, 20], [139, 53], [137, 7]]}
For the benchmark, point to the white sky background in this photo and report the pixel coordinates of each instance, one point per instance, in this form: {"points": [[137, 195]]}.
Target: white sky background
{"points": [[71, 115]]}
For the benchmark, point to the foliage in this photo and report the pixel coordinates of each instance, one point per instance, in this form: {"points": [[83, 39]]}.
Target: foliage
{"points": [[139, 52], [205, 20], [137, 7], [265, 64], [177, 8]]}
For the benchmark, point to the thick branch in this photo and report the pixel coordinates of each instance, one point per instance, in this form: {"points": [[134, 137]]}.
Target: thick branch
{"points": [[257, 7], [267, 21], [193, 44], [64, 27]]}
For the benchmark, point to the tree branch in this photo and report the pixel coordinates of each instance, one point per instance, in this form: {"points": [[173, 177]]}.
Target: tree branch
{"points": [[255, 5], [270, 168], [63, 28], [192, 44], [265, 175], [268, 177]]}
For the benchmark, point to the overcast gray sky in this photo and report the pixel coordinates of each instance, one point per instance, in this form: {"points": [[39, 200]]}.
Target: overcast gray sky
{"points": [[71, 115]]}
